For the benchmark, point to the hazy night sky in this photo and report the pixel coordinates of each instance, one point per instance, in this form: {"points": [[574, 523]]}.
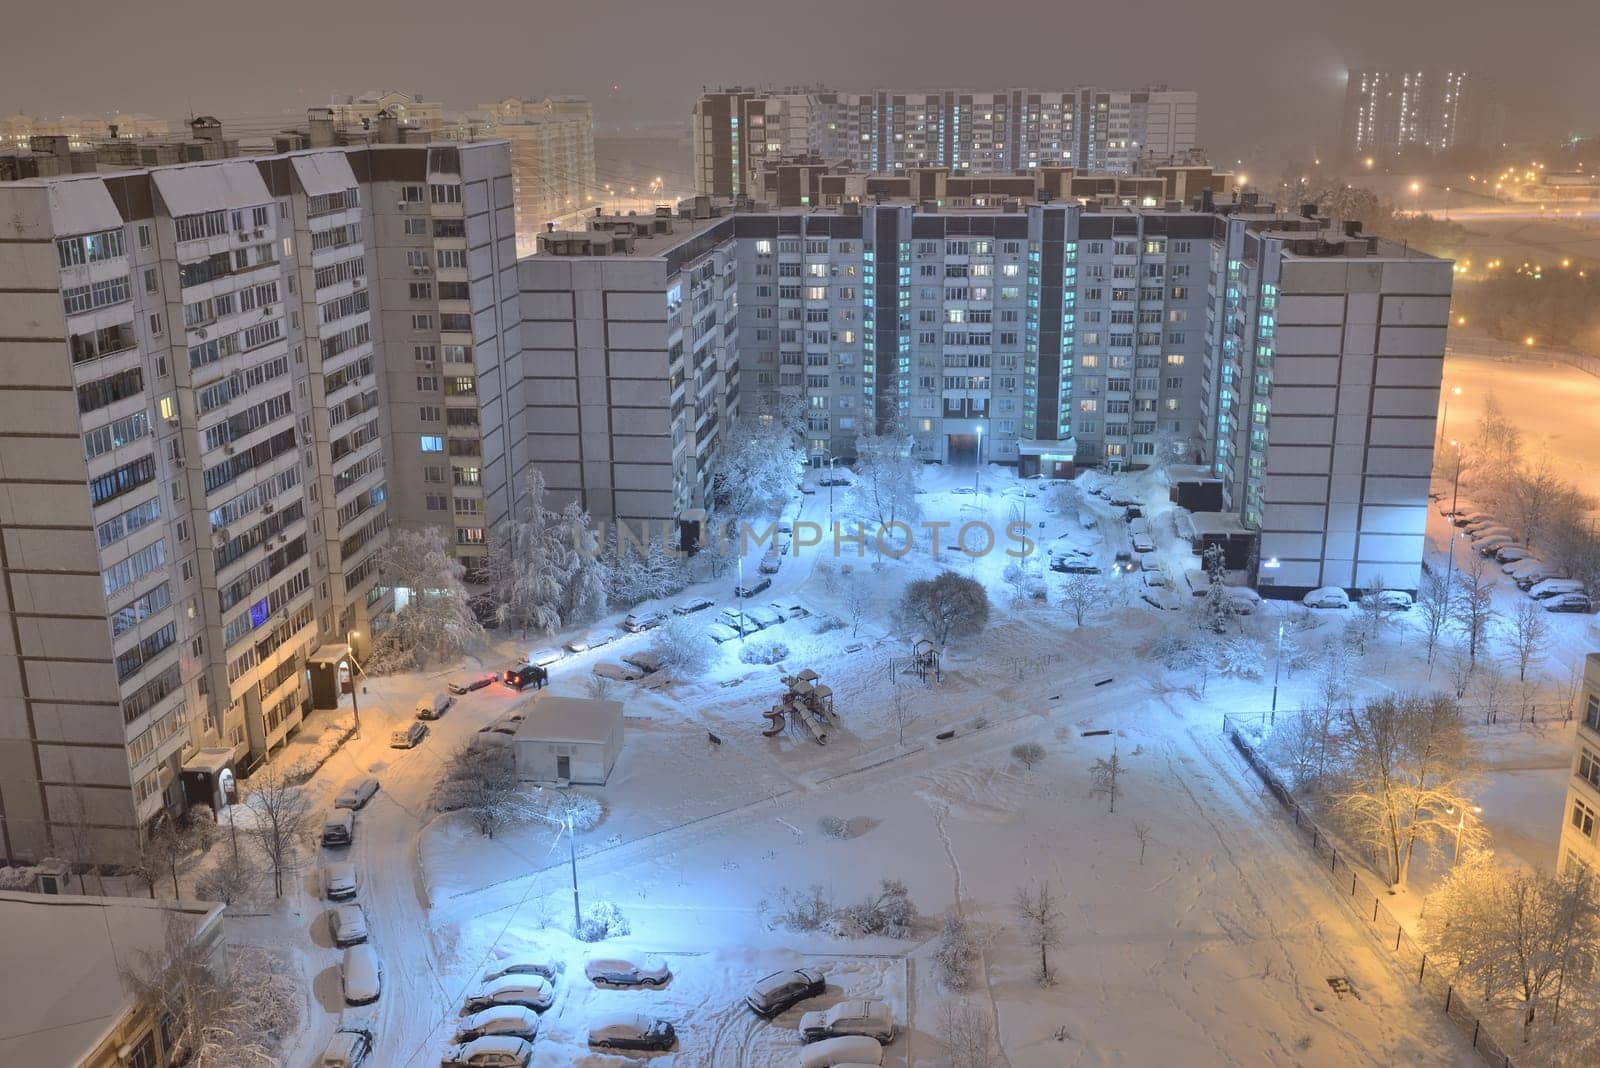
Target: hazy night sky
{"points": [[1266, 70]]}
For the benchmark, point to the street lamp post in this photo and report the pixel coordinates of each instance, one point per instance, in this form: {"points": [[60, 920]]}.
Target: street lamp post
{"points": [[355, 706], [739, 594], [1461, 825], [1455, 482], [1277, 663], [1444, 416], [572, 859], [977, 468]]}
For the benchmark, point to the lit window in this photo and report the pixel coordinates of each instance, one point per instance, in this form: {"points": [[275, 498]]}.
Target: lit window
{"points": [[432, 443]]}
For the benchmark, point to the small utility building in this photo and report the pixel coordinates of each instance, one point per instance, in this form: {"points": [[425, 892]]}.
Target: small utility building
{"points": [[569, 738]]}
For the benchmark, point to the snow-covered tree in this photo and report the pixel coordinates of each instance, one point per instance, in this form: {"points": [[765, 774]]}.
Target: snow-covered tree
{"points": [[967, 1034], [885, 489], [1498, 440], [1433, 609], [531, 560], [1105, 777], [1473, 609], [231, 879], [588, 584], [481, 781], [683, 648], [1027, 754], [166, 846], [436, 621], [1080, 594], [1529, 634], [1217, 610], [950, 605], [955, 955], [757, 465], [1304, 746], [1039, 914], [217, 1013], [659, 570], [1407, 760], [282, 822], [1240, 657]]}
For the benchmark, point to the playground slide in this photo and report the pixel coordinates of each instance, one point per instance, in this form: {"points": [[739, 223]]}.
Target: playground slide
{"points": [[775, 727]]}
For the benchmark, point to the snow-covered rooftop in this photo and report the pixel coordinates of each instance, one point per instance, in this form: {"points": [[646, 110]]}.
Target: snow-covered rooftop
{"points": [[65, 956], [570, 719]]}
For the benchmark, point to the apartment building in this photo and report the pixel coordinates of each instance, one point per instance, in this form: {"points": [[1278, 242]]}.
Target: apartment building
{"points": [[16, 131], [220, 374], [552, 158], [1299, 362], [997, 132], [1389, 111], [1579, 847]]}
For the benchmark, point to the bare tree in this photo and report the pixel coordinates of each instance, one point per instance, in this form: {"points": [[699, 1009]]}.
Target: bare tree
{"points": [[855, 606], [956, 953], [683, 647], [966, 1033], [947, 606], [1305, 746], [1434, 609], [231, 879], [1530, 630], [1040, 916], [481, 781], [282, 824], [165, 848], [1080, 594], [1491, 689], [887, 474], [1533, 498], [436, 621], [1407, 761], [1474, 603], [217, 1016], [1027, 754], [905, 710], [1141, 832], [1105, 775]]}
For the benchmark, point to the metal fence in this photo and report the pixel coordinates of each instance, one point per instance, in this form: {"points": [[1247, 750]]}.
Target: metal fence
{"points": [[1355, 889]]}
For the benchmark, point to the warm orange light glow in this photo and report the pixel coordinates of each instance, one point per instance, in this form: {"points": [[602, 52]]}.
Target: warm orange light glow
{"points": [[1528, 342]]}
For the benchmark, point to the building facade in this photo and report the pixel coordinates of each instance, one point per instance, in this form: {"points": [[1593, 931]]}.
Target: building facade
{"points": [[1580, 826], [1000, 132], [552, 158], [1394, 111], [1298, 361], [219, 376]]}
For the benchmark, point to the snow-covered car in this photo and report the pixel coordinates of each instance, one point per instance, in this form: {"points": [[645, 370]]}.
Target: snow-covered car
{"points": [[753, 587], [846, 1051], [1488, 543], [772, 994], [1567, 602], [611, 972], [1142, 543], [348, 925], [1326, 597], [545, 657], [1074, 566], [515, 1020], [542, 970], [853, 1016], [629, 1030], [1388, 600], [530, 991], [1157, 579], [348, 1048], [732, 615], [361, 975], [762, 616], [641, 621], [1242, 599], [1510, 554], [1553, 586], [356, 794], [644, 660], [692, 605], [506, 724], [490, 1051], [598, 640], [833, 480], [608, 669], [1525, 573], [409, 736], [435, 706], [340, 881], [721, 632], [459, 688]]}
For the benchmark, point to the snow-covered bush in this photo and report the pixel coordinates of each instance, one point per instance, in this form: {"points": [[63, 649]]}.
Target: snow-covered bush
{"points": [[764, 653], [1240, 657], [602, 920], [1027, 754], [598, 687], [888, 912], [798, 910], [683, 648], [834, 827], [955, 954], [967, 1034], [585, 811], [827, 622]]}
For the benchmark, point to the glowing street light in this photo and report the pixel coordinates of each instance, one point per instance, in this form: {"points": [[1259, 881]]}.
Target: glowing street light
{"points": [[355, 707], [1444, 417], [1461, 825]]}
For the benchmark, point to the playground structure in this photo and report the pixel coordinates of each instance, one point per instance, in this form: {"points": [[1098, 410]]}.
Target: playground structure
{"points": [[806, 708], [925, 665]]}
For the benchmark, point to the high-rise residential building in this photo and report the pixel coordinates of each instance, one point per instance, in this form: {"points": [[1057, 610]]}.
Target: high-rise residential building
{"points": [[16, 131], [408, 109], [552, 158], [225, 381], [1297, 361], [997, 132], [1580, 826], [1394, 111]]}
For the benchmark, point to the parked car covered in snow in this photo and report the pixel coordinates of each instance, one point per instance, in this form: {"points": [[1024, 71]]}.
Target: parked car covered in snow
{"points": [[1326, 597], [1553, 586], [1242, 599], [612, 972], [340, 881], [628, 1030], [721, 632], [608, 669], [642, 621], [348, 1048], [1567, 602], [435, 706], [409, 736], [515, 1020], [692, 605], [348, 925], [530, 991], [1388, 600], [356, 794], [853, 1016], [544, 971], [644, 660], [771, 994], [490, 1051], [1510, 554], [361, 975], [753, 587], [846, 1051], [459, 688]]}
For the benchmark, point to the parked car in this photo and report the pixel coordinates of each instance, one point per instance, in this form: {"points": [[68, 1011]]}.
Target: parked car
{"points": [[627, 973], [435, 706], [543, 658], [607, 669], [1156, 579], [530, 991], [644, 660], [627, 1030], [340, 881], [640, 621], [772, 994], [356, 794], [585, 642], [361, 975], [544, 971], [721, 632], [521, 677], [1142, 544], [506, 724], [833, 480], [1243, 599], [409, 736], [1388, 600], [1133, 512], [1551, 587], [1510, 554], [1567, 602], [771, 562], [752, 587], [338, 827], [692, 605], [1326, 597], [478, 683], [1482, 534], [853, 1016], [490, 1051], [514, 1020], [1077, 567], [1493, 544], [348, 1048], [347, 924], [763, 616], [846, 1051]]}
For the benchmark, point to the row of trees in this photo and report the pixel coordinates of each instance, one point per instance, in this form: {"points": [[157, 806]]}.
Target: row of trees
{"points": [[1559, 307]]}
